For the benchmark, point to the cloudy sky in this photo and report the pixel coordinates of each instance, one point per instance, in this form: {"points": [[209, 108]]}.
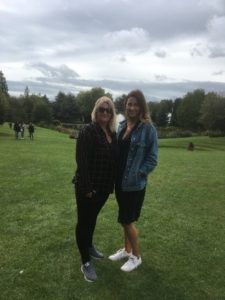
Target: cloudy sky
{"points": [[166, 48]]}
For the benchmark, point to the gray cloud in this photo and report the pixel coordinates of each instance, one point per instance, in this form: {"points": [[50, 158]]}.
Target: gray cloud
{"points": [[120, 35], [62, 72], [160, 53], [196, 52], [160, 77], [216, 52], [153, 91], [221, 72]]}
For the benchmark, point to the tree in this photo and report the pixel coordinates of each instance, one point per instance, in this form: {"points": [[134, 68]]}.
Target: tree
{"points": [[212, 113], [3, 84], [160, 112], [66, 108], [42, 111], [4, 98], [174, 119], [4, 106], [153, 108], [188, 112], [119, 104], [86, 101], [16, 111], [26, 92], [163, 112]]}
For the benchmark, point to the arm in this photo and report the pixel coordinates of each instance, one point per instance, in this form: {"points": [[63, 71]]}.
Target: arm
{"points": [[151, 154], [83, 151]]}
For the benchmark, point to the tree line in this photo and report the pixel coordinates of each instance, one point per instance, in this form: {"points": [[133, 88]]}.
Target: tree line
{"points": [[197, 110]]}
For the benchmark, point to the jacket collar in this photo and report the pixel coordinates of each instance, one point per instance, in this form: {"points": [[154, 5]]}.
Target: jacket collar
{"points": [[124, 123]]}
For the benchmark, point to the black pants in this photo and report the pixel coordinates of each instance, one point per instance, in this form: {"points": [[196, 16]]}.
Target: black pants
{"points": [[87, 212]]}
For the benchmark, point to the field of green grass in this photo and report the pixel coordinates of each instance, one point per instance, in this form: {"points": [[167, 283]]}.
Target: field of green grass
{"points": [[182, 227]]}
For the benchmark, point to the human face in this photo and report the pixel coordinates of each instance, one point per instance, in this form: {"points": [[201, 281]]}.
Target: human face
{"points": [[132, 109], [104, 113]]}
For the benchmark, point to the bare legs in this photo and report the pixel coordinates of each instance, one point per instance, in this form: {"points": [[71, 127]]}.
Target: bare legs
{"points": [[131, 239]]}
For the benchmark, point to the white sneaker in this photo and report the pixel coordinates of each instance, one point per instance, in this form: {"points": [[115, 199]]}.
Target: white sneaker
{"points": [[120, 254], [132, 263]]}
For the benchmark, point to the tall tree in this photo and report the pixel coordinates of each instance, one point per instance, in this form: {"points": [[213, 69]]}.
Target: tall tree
{"points": [[86, 101], [212, 113], [4, 98], [4, 106], [3, 84], [188, 112], [174, 119], [66, 108], [163, 112], [26, 92], [42, 111], [119, 104]]}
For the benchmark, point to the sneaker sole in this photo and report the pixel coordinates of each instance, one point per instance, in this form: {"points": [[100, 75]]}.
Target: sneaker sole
{"points": [[132, 269], [97, 258], [118, 259], [88, 280]]}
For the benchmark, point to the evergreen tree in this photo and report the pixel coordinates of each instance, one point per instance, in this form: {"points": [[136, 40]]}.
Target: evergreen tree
{"points": [[4, 98], [3, 84]]}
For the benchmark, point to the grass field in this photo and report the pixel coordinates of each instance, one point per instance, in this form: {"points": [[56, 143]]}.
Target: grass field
{"points": [[182, 227]]}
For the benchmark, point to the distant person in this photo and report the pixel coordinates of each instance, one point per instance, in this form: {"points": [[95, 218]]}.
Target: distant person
{"points": [[94, 178], [10, 125], [137, 157], [16, 129], [22, 130], [31, 131]]}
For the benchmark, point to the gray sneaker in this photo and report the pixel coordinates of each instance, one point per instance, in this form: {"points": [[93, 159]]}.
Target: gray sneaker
{"points": [[95, 253], [89, 272]]}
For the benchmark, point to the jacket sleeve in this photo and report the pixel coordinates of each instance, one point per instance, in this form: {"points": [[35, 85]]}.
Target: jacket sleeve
{"points": [[151, 154], [83, 152]]}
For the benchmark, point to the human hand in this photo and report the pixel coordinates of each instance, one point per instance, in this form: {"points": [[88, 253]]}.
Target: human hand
{"points": [[89, 195]]}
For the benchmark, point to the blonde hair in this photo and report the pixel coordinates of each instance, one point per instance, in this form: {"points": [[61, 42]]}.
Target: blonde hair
{"points": [[112, 122]]}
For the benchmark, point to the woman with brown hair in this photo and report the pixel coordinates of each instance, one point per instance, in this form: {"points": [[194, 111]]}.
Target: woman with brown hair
{"points": [[137, 157]]}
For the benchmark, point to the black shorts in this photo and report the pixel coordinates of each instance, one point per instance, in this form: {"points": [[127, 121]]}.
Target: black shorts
{"points": [[130, 204]]}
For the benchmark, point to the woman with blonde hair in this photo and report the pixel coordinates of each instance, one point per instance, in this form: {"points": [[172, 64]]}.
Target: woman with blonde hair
{"points": [[137, 157], [94, 178]]}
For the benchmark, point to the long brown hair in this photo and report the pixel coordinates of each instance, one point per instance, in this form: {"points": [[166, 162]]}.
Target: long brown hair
{"points": [[144, 111]]}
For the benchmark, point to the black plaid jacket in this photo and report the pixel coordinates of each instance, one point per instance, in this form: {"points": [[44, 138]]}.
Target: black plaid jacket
{"points": [[96, 160]]}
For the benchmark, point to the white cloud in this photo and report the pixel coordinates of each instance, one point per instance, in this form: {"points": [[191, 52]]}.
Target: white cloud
{"points": [[133, 40]]}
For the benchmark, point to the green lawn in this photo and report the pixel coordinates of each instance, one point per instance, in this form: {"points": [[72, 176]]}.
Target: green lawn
{"points": [[182, 227]]}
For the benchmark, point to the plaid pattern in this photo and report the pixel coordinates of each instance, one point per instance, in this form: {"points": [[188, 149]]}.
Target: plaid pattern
{"points": [[96, 160]]}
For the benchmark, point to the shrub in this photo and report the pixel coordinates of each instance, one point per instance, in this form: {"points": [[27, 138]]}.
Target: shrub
{"points": [[215, 133]]}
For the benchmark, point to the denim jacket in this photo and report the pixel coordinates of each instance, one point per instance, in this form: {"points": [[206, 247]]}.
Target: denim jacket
{"points": [[142, 156]]}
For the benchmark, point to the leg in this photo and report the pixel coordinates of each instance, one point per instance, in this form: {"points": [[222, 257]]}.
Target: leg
{"points": [[97, 204], [87, 212], [131, 239], [127, 246]]}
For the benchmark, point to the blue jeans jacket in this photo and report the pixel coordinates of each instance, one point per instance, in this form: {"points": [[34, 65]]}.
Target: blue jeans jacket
{"points": [[142, 156]]}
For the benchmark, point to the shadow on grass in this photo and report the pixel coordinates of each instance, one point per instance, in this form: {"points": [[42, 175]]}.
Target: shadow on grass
{"points": [[144, 283], [4, 134]]}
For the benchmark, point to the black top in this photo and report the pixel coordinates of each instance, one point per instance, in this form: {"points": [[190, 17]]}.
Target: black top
{"points": [[96, 160], [123, 150]]}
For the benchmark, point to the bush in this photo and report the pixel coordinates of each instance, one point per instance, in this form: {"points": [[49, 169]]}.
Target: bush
{"points": [[215, 133], [173, 132]]}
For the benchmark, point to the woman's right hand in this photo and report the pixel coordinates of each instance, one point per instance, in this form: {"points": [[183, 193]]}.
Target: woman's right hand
{"points": [[89, 195]]}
